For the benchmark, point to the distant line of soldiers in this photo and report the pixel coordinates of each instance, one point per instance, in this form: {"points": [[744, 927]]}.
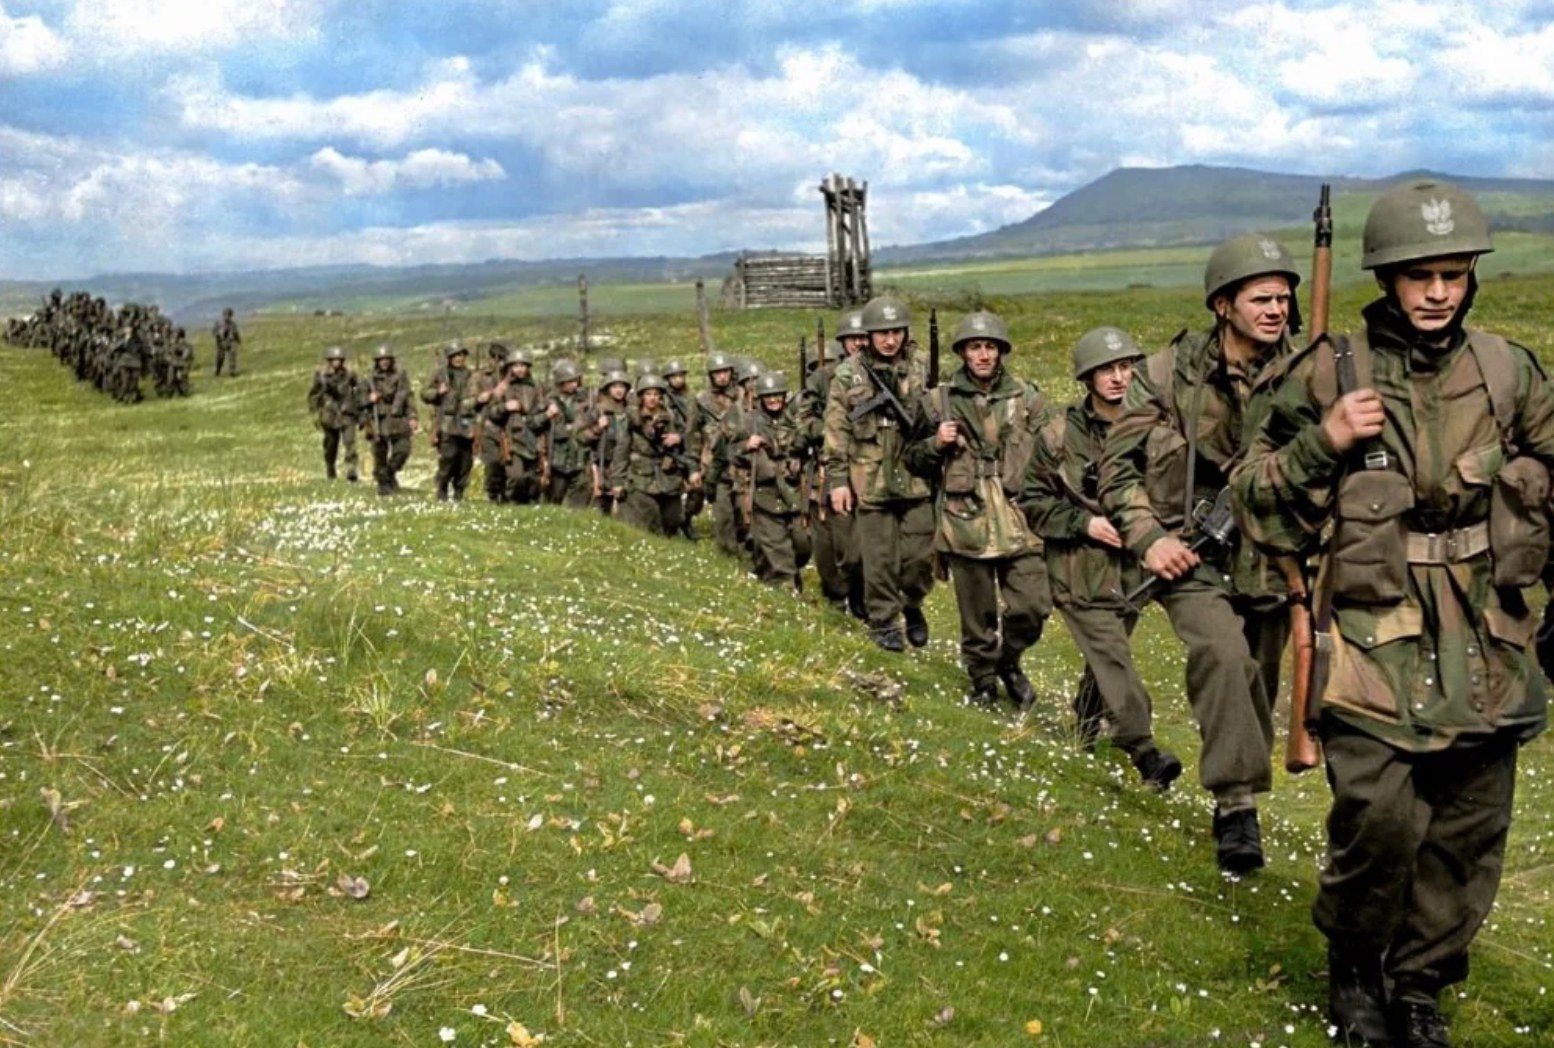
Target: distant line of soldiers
{"points": [[113, 349]]}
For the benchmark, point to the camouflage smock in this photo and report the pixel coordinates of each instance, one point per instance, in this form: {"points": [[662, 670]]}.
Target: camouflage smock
{"points": [[1061, 494], [524, 426], [641, 461], [394, 408], [1449, 656], [454, 412], [568, 450], [335, 397], [776, 471], [979, 477], [1144, 465], [868, 454]]}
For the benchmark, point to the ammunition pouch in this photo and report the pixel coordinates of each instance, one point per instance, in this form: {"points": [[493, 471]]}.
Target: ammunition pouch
{"points": [[1369, 548], [1519, 522]]}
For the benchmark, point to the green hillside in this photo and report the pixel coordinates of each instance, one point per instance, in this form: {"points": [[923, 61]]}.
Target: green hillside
{"points": [[235, 697]]}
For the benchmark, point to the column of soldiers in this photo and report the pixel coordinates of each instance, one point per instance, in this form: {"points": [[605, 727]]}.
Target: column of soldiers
{"points": [[112, 349]]}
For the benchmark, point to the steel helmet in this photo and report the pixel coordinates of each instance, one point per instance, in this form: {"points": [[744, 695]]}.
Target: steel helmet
{"points": [[719, 362], [1423, 219], [453, 350], [520, 356], [651, 381], [383, 353], [334, 353], [1243, 257], [885, 314], [771, 384], [982, 324], [851, 324], [673, 367], [1100, 346], [565, 371], [752, 369], [609, 378]]}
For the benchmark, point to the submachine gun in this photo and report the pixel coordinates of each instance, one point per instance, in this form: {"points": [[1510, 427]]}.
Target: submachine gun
{"points": [[1216, 527]]}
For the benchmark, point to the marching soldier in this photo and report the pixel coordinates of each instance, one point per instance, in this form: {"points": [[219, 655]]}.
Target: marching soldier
{"points": [[334, 399], [836, 562], [1183, 429], [570, 483], [649, 466], [390, 419], [680, 400], [228, 338], [1418, 475], [982, 428], [870, 415], [451, 393], [767, 443], [489, 436], [518, 413], [605, 431], [712, 407], [1089, 568]]}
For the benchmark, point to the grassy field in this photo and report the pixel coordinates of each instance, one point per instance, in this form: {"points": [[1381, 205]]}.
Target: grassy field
{"points": [[282, 763]]}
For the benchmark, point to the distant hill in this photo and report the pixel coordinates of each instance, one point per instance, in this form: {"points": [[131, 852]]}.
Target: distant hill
{"points": [[1134, 207], [1130, 207]]}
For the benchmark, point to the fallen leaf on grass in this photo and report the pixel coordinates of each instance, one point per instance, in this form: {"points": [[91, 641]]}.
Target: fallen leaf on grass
{"points": [[749, 1002], [520, 1036], [357, 1008], [586, 906], [862, 1040], [1055, 835], [353, 887], [1033, 1027], [943, 1016], [679, 873], [943, 889], [125, 943]]}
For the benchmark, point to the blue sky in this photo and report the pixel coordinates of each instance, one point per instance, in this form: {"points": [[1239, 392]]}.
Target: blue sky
{"points": [[188, 135]]}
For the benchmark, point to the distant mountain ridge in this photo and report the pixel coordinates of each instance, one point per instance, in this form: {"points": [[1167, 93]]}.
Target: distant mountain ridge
{"points": [[1129, 207]]}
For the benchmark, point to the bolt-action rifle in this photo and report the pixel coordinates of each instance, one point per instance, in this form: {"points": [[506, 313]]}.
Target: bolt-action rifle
{"points": [[1311, 627], [933, 348], [883, 397]]}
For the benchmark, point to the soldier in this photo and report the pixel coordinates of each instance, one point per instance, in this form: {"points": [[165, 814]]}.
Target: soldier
{"points": [[712, 407], [180, 364], [605, 431], [841, 581], [451, 392], [570, 483], [334, 399], [1089, 568], [519, 415], [683, 404], [228, 338], [870, 415], [767, 443], [124, 365], [390, 419], [1183, 429], [1429, 470], [649, 466], [983, 426], [489, 437]]}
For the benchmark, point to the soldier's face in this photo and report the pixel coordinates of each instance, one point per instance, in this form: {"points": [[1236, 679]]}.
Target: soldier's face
{"points": [[1260, 310], [1110, 382], [981, 356], [1430, 292], [568, 387], [773, 403], [889, 342], [519, 371], [336, 365], [851, 344], [617, 390], [651, 398], [721, 377], [385, 363], [676, 382]]}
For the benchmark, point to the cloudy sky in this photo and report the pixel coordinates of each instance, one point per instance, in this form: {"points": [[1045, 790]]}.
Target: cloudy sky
{"points": [[186, 135]]}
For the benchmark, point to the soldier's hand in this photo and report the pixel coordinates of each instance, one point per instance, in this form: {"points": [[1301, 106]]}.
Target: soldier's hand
{"points": [[1170, 558], [372, 398], [617, 493], [415, 425], [1354, 417], [671, 440], [512, 405], [1101, 530], [947, 434], [602, 424], [442, 388], [753, 441], [841, 500], [694, 481], [552, 411]]}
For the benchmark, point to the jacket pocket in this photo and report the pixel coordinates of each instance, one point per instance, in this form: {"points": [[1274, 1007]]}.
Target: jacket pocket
{"points": [[1519, 522], [1165, 474], [1370, 542], [1376, 658]]}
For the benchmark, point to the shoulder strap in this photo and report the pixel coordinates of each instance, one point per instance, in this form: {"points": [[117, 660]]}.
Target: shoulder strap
{"points": [[1498, 366]]}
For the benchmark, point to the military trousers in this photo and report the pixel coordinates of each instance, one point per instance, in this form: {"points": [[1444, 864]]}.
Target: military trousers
{"points": [[336, 438], [658, 514], [725, 521], [522, 480], [895, 546], [1265, 624], [572, 490], [1003, 604], [389, 455], [495, 468], [780, 546], [226, 355], [835, 557], [1224, 688], [1416, 845], [455, 461], [1102, 634]]}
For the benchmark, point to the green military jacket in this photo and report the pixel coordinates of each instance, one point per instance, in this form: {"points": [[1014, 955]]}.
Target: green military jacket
{"points": [[641, 461], [712, 407], [812, 422], [335, 397], [524, 426], [602, 445], [1428, 649], [455, 412], [868, 454], [1144, 466], [978, 478], [391, 415], [568, 442], [776, 470], [1060, 496], [686, 421]]}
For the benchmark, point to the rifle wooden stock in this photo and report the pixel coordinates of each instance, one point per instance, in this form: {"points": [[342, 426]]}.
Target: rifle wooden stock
{"points": [[1301, 752]]}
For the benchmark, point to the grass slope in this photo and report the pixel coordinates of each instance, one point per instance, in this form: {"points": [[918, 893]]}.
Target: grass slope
{"points": [[226, 686]]}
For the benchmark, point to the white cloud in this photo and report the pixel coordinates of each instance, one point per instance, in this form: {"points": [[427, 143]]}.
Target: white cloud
{"points": [[420, 169], [190, 25], [28, 46]]}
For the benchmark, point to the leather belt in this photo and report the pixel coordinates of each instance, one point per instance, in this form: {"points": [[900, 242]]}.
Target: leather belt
{"points": [[1448, 547]]}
